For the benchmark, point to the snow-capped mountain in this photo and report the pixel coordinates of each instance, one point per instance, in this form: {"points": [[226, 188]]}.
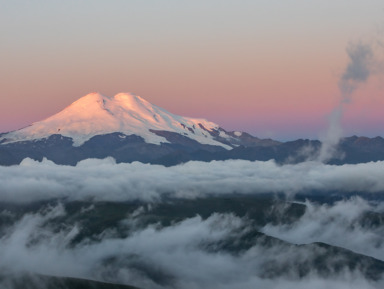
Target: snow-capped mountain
{"points": [[129, 128], [125, 127], [96, 114]]}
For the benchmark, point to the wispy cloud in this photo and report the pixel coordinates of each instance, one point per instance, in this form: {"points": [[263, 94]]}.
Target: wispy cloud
{"points": [[177, 256], [360, 67]]}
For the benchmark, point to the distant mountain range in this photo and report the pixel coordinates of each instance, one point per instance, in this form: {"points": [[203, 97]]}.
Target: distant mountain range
{"points": [[129, 128]]}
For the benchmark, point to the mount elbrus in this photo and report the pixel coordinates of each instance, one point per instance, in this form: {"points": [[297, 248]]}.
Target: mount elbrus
{"points": [[129, 128]]}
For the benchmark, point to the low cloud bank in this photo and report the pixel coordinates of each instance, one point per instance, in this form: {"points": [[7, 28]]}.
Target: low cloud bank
{"points": [[177, 256], [104, 180], [340, 224]]}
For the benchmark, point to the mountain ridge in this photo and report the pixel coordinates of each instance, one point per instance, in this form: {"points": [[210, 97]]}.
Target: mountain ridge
{"points": [[129, 128]]}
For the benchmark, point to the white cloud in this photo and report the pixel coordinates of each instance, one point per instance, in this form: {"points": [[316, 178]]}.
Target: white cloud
{"points": [[339, 225], [106, 180], [177, 252]]}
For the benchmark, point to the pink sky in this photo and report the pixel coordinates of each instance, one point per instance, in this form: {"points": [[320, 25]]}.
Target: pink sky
{"points": [[266, 68]]}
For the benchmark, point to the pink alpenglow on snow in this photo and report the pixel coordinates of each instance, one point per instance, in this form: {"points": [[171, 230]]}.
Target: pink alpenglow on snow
{"points": [[97, 114]]}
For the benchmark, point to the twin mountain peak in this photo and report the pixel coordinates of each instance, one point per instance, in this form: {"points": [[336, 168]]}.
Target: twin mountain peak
{"points": [[129, 128], [96, 114]]}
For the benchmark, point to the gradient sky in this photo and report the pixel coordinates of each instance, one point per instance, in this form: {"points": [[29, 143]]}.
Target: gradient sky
{"points": [[267, 67]]}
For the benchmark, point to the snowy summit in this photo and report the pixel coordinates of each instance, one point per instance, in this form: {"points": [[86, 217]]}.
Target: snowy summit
{"points": [[96, 114]]}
